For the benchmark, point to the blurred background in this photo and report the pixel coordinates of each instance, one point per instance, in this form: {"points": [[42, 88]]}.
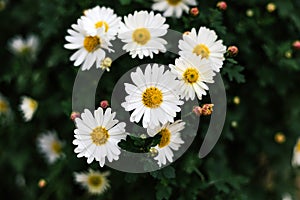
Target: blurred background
{"points": [[253, 157]]}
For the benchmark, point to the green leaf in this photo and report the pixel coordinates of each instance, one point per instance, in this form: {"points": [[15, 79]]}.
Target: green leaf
{"points": [[125, 2]]}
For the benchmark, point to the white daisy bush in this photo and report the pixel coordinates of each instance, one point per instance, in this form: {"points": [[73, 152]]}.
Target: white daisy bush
{"points": [[155, 94]]}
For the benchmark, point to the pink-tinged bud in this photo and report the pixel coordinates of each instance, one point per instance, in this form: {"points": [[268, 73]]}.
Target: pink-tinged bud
{"points": [[186, 33], [42, 183], [194, 11], [271, 7], [222, 5], [207, 109], [197, 110], [74, 115], [104, 104], [296, 45], [232, 50]]}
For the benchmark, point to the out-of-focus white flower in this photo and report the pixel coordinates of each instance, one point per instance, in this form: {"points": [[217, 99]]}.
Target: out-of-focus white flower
{"points": [[94, 181], [50, 146], [28, 107], [28, 46], [296, 154]]}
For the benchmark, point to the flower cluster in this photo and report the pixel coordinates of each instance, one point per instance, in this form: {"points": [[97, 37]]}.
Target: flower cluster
{"points": [[156, 93]]}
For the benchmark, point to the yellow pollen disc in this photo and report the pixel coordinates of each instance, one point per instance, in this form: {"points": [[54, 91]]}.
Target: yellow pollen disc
{"points": [[3, 106], [102, 23], [91, 43], [191, 75], [298, 146], [141, 36], [165, 138], [56, 147], [33, 104], [99, 135], [173, 2], [152, 97], [95, 180], [202, 50]]}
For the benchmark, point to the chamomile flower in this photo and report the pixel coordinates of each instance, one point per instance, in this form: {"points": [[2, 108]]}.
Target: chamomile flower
{"points": [[205, 45], [101, 17], [94, 181], [90, 48], [97, 136], [142, 34], [154, 95], [296, 155], [21, 46], [4, 106], [50, 146], [28, 107], [170, 140], [173, 7], [192, 73]]}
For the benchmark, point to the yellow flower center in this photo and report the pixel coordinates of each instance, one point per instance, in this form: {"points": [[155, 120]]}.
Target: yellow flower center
{"points": [[165, 138], [202, 50], [152, 97], [33, 104], [99, 135], [298, 147], [56, 147], [95, 180], [3, 106], [173, 2], [191, 75], [91, 43], [141, 36], [102, 23]]}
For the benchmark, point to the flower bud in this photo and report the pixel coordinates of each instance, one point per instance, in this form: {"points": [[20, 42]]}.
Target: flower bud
{"points": [[236, 100], [74, 115], [232, 50], [104, 104], [194, 11], [197, 110], [271, 7], [279, 138], [207, 109], [296, 45], [186, 33], [249, 13], [222, 5], [42, 183]]}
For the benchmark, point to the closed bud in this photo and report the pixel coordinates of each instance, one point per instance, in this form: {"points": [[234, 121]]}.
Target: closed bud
{"points": [[271, 7], [104, 104], [74, 115], [222, 5], [279, 138], [296, 45], [207, 109], [197, 110], [194, 11], [42, 183], [232, 50]]}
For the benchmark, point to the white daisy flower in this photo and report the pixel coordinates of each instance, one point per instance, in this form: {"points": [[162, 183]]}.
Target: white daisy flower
{"points": [[28, 107], [170, 140], [50, 146], [142, 34], [203, 44], [20, 46], [154, 95], [98, 136], [296, 155], [4, 106], [101, 17], [94, 181], [192, 73], [90, 48], [173, 7]]}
